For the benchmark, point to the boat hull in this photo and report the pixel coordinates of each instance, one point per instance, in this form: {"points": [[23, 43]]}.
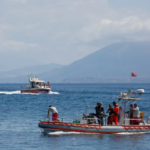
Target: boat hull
{"points": [[35, 90], [87, 128]]}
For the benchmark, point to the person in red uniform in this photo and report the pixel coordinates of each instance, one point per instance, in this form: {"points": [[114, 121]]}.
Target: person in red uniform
{"points": [[116, 111], [54, 113], [48, 84], [130, 114], [136, 114]]}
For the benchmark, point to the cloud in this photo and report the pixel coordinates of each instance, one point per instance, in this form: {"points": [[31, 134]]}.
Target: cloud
{"points": [[128, 27], [16, 1], [64, 31], [17, 46]]}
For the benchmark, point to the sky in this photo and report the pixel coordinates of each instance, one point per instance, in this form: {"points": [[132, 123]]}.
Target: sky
{"points": [[36, 32]]}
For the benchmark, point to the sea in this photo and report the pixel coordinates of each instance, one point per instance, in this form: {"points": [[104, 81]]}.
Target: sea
{"points": [[20, 115]]}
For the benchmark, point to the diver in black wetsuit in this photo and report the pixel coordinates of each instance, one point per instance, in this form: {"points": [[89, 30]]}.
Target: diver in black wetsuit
{"points": [[99, 112]]}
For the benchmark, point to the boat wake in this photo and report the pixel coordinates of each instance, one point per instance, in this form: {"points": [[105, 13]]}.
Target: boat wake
{"points": [[65, 133], [9, 92], [19, 92], [53, 92], [68, 133], [132, 133]]}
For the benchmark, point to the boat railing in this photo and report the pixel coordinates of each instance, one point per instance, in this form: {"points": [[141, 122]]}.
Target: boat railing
{"points": [[94, 120], [62, 119], [29, 87], [25, 87], [42, 86], [131, 121], [76, 120]]}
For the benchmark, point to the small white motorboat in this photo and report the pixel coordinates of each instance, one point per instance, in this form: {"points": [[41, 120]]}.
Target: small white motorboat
{"points": [[36, 86]]}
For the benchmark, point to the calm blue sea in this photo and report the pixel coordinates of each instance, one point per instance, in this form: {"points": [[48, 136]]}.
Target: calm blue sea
{"points": [[20, 115]]}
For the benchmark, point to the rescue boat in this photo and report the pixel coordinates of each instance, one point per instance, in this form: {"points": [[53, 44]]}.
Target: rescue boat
{"points": [[89, 125], [36, 86]]}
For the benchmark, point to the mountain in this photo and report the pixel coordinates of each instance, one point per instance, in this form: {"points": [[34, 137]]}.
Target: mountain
{"points": [[113, 63], [21, 75], [10, 61]]}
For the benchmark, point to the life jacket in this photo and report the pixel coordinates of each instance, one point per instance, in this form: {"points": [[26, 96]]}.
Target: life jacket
{"points": [[116, 110]]}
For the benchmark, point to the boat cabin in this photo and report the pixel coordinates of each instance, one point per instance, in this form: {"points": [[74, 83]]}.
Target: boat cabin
{"points": [[36, 83]]}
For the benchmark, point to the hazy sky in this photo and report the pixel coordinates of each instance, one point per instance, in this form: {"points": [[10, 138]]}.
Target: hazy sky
{"points": [[62, 31]]}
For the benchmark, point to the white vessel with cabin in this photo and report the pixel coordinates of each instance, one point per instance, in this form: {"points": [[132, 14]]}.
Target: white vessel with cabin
{"points": [[36, 86]]}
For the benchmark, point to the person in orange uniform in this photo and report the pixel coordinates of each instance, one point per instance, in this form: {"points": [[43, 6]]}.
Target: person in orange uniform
{"points": [[110, 117], [116, 111]]}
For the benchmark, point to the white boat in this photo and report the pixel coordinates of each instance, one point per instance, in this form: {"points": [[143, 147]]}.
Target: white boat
{"points": [[86, 126], [36, 86]]}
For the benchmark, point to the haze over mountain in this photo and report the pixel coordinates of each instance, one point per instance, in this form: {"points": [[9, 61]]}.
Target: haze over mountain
{"points": [[23, 73], [115, 61]]}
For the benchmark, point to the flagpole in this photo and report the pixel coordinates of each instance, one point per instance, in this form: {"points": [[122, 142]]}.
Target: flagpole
{"points": [[129, 84], [130, 78]]}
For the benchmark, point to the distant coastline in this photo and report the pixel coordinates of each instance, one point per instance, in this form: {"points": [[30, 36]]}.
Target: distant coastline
{"points": [[111, 64]]}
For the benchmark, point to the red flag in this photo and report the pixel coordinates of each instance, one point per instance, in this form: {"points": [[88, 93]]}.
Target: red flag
{"points": [[132, 92], [133, 74]]}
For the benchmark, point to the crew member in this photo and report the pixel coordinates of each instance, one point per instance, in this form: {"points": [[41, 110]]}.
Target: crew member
{"points": [[121, 115], [135, 114], [48, 84], [130, 112], [116, 111], [54, 113], [99, 112], [110, 117], [84, 116]]}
